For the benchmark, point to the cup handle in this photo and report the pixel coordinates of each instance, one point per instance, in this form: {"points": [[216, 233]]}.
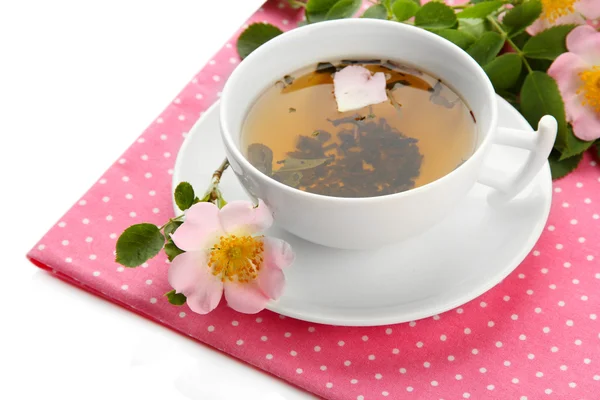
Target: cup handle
{"points": [[540, 145]]}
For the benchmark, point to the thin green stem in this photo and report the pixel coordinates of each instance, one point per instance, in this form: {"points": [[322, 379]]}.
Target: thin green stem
{"points": [[216, 178], [171, 220], [512, 44], [213, 194]]}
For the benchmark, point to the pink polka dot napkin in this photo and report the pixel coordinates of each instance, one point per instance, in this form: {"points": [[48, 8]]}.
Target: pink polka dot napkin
{"points": [[534, 336]]}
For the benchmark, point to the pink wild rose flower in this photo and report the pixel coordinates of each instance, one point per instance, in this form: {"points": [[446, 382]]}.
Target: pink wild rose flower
{"points": [[577, 74], [563, 12], [223, 253]]}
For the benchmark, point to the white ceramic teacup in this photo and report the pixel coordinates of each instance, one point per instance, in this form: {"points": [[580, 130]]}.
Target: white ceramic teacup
{"points": [[363, 223]]}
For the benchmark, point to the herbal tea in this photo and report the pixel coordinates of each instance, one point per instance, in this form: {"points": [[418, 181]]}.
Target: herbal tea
{"points": [[359, 128]]}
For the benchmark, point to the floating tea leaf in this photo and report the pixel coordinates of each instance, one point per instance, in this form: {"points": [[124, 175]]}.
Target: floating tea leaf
{"points": [[261, 157], [361, 62], [393, 65], [290, 178], [345, 120], [396, 105], [437, 88], [437, 97], [322, 136], [442, 101], [325, 67], [306, 81], [288, 80], [293, 179], [394, 84], [295, 164]]}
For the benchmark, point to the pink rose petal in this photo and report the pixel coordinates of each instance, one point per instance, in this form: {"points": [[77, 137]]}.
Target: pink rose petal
{"points": [[355, 87], [589, 8], [186, 269], [542, 24], [585, 42], [201, 227], [586, 122], [278, 253], [246, 298], [271, 281], [565, 71], [204, 301], [241, 217], [189, 274]]}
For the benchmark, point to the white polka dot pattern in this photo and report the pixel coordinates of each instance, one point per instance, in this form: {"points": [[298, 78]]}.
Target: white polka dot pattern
{"points": [[536, 334]]}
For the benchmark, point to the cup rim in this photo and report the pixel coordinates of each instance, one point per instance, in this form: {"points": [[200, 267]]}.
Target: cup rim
{"points": [[302, 32]]}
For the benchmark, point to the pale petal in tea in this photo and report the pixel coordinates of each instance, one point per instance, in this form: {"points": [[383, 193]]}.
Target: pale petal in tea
{"points": [[355, 87]]}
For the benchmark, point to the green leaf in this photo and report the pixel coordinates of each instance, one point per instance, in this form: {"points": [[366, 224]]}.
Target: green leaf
{"points": [[177, 299], [540, 96], [435, 15], [376, 11], [139, 243], [521, 38], [404, 9], [171, 250], [504, 71], [548, 44], [221, 202], [521, 16], [343, 9], [480, 10], [254, 36], [184, 196], [316, 10], [473, 26], [171, 227], [570, 145], [390, 3], [561, 168], [539, 64], [459, 38], [486, 48]]}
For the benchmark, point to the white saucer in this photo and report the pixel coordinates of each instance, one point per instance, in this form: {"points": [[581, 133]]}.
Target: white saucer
{"points": [[464, 256]]}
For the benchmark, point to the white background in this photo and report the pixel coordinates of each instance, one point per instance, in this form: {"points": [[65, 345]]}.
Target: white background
{"points": [[78, 75]]}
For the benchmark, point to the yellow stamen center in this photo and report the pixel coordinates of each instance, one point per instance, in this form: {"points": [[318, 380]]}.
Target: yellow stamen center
{"points": [[590, 87], [554, 9], [236, 258]]}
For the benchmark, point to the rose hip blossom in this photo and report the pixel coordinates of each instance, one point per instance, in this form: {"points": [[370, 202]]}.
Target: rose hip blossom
{"points": [[223, 253], [577, 74], [563, 12]]}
